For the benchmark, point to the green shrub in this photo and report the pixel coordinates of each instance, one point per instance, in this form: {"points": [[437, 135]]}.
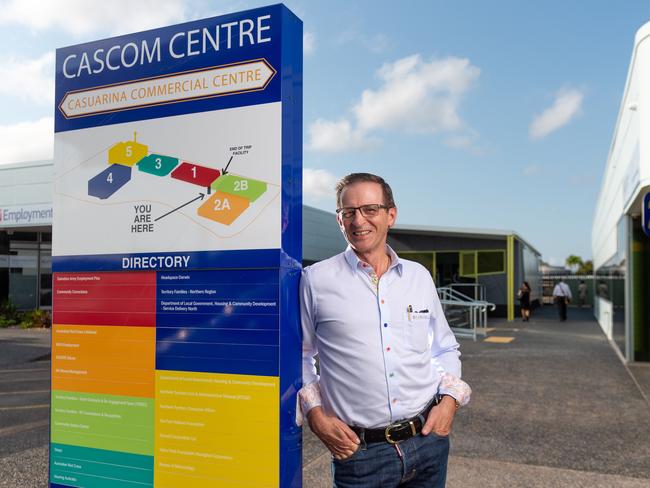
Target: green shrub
{"points": [[36, 319], [8, 313]]}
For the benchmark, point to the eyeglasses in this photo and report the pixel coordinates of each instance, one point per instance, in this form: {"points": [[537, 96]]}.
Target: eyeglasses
{"points": [[368, 211]]}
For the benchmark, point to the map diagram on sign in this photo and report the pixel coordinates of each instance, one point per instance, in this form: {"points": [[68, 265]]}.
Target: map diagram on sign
{"points": [[147, 185], [233, 194]]}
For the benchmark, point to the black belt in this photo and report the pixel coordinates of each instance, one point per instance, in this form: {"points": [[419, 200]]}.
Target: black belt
{"points": [[399, 431]]}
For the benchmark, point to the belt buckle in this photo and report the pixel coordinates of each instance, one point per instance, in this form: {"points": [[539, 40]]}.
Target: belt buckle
{"points": [[387, 432]]}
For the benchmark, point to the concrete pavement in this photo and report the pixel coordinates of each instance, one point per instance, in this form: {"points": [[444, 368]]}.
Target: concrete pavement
{"points": [[24, 407], [554, 407]]}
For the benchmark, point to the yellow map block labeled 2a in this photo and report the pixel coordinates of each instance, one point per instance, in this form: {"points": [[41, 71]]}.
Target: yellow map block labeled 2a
{"points": [[127, 153], [223, 207], [216, 430]]}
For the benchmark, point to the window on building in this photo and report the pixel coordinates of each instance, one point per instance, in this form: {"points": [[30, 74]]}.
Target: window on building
{"points": [[468, 263], [491, 262]]}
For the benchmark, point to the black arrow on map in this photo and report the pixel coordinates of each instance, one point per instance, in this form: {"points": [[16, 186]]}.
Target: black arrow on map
{"points": [[200, 197], [225, 170]]}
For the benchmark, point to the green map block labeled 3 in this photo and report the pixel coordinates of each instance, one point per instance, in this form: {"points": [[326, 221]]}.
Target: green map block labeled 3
{"points": [[157, 164], [240, 186]]}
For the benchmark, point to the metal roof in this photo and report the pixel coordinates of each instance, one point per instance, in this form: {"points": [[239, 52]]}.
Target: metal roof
{"points": [[459, 231]]}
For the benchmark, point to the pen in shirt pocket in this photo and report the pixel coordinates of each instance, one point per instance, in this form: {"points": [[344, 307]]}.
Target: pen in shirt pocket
{"points": [[409, 310]]}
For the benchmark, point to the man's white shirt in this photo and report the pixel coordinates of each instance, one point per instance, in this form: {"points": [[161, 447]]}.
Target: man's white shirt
{"points": [[384, 345], [562, 290]]}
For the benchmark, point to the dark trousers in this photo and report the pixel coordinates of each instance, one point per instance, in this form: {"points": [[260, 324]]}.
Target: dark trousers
{"points": [[419, 462], [561, 307]]}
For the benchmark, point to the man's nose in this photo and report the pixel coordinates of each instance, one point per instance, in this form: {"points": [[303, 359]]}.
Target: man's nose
{"points": [[358, 218]]}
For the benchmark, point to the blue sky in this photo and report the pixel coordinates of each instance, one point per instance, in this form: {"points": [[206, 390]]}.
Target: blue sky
{"points": [[480, 114]]}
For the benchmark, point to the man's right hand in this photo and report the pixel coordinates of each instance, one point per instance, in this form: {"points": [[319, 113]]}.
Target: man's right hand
{"points": [[335, 434]]}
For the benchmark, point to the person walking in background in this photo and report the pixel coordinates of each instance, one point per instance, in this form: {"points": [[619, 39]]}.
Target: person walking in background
{"points": [[524, 301], [603, 290], [582, 293], [562, 297]]}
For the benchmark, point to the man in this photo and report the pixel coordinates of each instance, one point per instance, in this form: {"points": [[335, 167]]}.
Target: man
{"points": [[582, 293], [389, 381], [562, 297]]}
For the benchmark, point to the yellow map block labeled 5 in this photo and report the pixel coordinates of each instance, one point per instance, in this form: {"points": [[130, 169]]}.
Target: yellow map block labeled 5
{"points": [[216, 430], [127, 153], [223, 207]]}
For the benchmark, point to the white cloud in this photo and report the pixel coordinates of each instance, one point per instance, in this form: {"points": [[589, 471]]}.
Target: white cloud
{"points": [[415, 97], [566, 106], [308, 43], [318, 184], [376, 43], [81, 17], [27, 141], [339, 136], [531, 170], [30, 79]]}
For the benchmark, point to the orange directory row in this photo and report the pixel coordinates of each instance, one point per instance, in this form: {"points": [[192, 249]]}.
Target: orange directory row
{"points": [[108, 360]]}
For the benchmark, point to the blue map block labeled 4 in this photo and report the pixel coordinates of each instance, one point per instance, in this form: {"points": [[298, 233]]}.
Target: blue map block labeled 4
{"points": [[106, 183]]}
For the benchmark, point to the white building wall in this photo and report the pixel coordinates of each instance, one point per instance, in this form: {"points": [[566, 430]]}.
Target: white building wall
{"points": [[627, 172], [26, 195]]}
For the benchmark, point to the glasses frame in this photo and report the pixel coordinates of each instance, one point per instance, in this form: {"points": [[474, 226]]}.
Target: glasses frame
{"points": [[341, 210]]}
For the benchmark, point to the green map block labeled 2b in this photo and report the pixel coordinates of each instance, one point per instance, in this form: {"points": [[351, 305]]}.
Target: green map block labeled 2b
{"points": [[238, 185], [157, 164]]}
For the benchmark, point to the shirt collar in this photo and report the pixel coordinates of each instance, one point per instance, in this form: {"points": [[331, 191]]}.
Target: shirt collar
{"points": [[355, 263]]}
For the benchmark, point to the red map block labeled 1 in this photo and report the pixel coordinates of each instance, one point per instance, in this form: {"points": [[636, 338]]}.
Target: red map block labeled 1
{"points": [[195, 174]]}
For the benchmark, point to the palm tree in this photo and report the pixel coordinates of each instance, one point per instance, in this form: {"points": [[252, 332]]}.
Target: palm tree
{"points": [[574, 262]]}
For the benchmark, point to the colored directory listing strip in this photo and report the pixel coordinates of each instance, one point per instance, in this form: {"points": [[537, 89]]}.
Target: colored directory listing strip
{"points": [[209, 428], [105, 298], [100, 359], [224, 321], [108, 422], [82, 467]]}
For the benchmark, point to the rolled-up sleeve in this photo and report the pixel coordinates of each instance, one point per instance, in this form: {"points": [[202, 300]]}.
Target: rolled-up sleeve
{"points": [[445, 355], [309, 395]]}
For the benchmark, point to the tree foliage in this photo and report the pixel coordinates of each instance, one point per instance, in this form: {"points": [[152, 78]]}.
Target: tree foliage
{"points": [[587, 268], [578, 266], [574, 262]]}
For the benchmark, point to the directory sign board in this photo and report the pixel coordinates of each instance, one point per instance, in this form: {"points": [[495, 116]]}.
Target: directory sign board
{"points": [[176, 256]]}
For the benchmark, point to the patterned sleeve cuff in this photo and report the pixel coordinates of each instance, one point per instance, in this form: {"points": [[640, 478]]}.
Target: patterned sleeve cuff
{"points": [[308, 397], [455, 387]]}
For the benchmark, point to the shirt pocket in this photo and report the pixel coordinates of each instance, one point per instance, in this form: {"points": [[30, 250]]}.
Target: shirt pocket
{"points": [[416, 331]]}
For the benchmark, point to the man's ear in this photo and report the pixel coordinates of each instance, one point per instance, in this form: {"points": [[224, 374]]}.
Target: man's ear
{"points": [[392, 216], [339, 220]]}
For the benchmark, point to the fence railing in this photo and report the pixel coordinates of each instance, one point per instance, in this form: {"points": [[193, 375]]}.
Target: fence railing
{"points": [[467, 317], [475, 291]]}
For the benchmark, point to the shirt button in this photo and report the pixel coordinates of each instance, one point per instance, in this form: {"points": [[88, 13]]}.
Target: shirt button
{"points": [[394, 400], [392, 374], [385, 325], [382, 300], [388, 348]]}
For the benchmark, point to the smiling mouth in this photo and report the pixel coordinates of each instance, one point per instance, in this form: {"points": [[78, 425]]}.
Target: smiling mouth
{"points": [[360, 233]]}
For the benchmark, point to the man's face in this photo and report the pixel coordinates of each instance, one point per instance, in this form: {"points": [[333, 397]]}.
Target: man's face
{"points": [[366, 235]]}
